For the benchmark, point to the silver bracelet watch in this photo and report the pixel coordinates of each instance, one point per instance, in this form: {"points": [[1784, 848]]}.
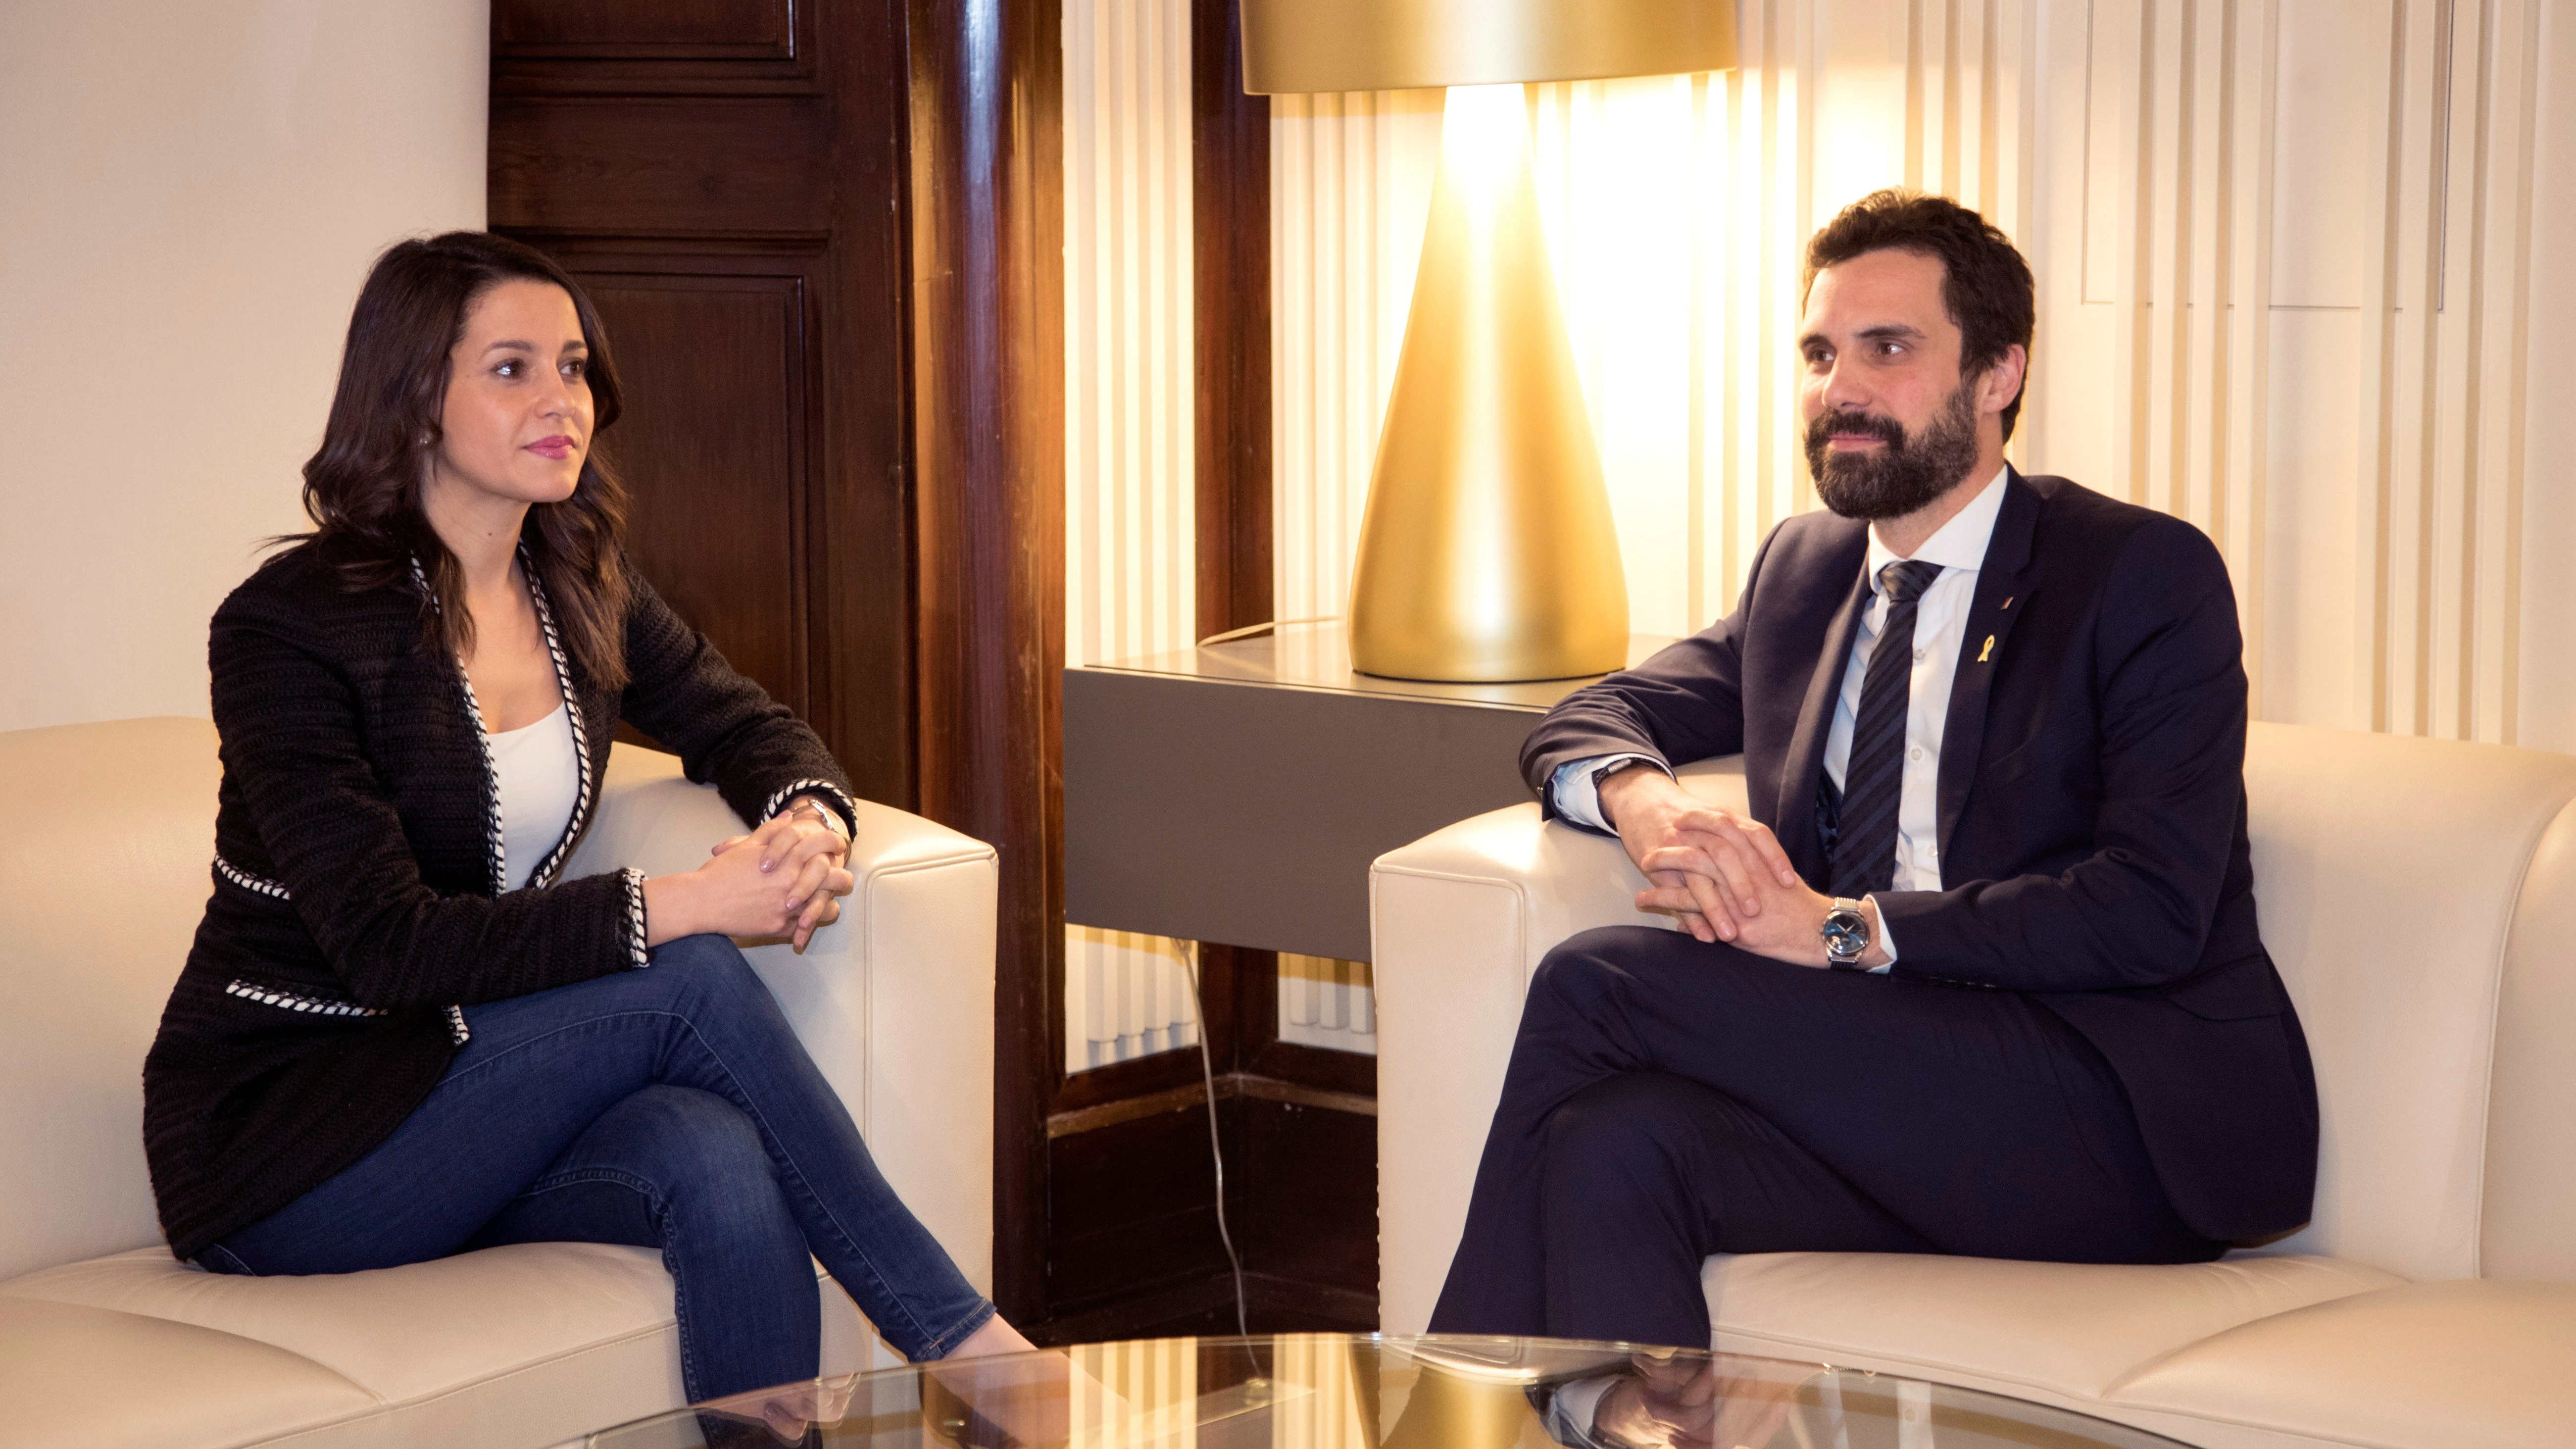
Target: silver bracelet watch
{"points": [[823, 813]]}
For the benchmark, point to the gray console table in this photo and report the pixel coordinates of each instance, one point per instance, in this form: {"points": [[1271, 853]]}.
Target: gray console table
{"points": [[1237, 792]]}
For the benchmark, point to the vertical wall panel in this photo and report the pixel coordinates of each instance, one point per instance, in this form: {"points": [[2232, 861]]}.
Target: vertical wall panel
{"points": [[2542, 622], [1327, 1003], [2178, 100], [1129, 527], [2304, 251]]}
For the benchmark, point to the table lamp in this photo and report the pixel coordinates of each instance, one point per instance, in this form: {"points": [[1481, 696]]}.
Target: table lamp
{"points": [[1487, 552]]}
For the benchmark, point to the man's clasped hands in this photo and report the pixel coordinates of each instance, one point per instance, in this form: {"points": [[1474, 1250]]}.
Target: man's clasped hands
{"points": [[1722, 875]]}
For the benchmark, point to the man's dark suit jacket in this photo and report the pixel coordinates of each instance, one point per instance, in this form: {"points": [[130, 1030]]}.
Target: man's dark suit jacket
{"points": [[2092, 809]]}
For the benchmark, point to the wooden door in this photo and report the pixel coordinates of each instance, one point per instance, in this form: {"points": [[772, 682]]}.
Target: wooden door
{"points": [[726, 179]]}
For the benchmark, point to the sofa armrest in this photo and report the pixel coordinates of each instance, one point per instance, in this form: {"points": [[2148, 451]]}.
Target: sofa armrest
{"points": [[1458, 921], [894, 1002]]}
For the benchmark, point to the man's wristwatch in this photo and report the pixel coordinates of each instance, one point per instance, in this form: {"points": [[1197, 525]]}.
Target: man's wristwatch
{"points": [[1601, 777], [1846, 935]]}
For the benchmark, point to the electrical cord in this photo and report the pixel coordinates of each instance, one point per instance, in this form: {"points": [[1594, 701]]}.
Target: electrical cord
{"points": [[1264, 627], [1216, 1146]]}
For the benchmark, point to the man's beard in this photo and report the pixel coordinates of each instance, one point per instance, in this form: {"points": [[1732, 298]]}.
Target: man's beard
{"points": [[1905, 474]]}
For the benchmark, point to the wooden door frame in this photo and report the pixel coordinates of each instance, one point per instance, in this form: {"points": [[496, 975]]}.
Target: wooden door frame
{"points": [[987, 210], [987, 391]]}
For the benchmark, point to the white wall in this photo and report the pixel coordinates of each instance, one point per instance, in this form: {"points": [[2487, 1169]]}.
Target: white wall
{"points": [[190, 193]]}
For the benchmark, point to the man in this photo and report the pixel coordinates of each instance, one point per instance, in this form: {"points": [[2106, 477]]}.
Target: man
{"points": [[1993, 731]]}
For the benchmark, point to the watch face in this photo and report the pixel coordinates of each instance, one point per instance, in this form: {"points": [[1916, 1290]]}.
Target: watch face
{"points": [[1846, 934]]}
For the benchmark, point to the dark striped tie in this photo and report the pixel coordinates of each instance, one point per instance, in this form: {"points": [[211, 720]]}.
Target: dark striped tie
{"points": [[1874, 776]]}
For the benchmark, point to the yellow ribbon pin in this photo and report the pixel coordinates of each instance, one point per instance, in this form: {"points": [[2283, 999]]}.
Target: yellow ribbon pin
{"points": [[1988, 652]]}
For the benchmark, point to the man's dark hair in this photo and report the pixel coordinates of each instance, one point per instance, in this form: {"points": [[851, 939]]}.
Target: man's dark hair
{"points": [[1985, 284]]}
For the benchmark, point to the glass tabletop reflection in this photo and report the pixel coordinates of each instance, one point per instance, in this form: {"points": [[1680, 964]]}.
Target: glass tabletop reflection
{"points": [[1337, 1391]]}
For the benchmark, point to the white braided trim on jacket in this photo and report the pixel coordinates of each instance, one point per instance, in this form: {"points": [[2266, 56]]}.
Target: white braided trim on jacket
{"points": [[457, 1030], [494, 841], [240, 877], [291, 1001], [777, 802], [638, 956]]}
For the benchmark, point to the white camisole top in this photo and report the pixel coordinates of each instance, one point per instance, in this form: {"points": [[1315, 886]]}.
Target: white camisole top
{"points": [[540, 779]]}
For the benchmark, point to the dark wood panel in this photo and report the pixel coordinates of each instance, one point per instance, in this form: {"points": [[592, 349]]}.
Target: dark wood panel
{"points": [[1201, 1307], [658, 166], [628, 29], [988, 407], [1320, 1068], [1230, 324], [1204, 1308], [864, 515], [1309, 1195], [714, 446], [1139, 1077], [1133, 1209], [669, 166]]}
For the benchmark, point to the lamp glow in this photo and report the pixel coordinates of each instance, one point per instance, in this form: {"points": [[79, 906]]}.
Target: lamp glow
{"points": [[1487, 551]]}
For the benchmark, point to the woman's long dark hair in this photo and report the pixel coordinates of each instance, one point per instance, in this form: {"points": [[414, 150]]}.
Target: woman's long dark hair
{"points": [[362, 488]]}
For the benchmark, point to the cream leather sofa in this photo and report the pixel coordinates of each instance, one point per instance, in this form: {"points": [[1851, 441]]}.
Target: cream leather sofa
{"points": [[106, 832], [2419, 897]]}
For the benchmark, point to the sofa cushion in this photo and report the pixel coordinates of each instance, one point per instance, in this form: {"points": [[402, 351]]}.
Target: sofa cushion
{"points": [[401, 1333], [527, 1344], [107, 847], [108, 1380], [2418, 1366], [2393, 942], [2527, 1222], [2073, 1329]]}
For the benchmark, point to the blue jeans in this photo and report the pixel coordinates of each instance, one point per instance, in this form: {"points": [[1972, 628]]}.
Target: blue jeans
{"points": [[669, 1108]]}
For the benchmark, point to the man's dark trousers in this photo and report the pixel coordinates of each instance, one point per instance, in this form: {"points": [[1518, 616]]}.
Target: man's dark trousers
{"points": [[1668, 1099], [2082, 1033]]}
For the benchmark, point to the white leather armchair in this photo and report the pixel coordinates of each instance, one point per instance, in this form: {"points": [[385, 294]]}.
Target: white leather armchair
{"points": [[106, 832], [2419, 897]]}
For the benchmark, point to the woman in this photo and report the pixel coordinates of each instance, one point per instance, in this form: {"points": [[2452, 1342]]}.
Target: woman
{"points": [[401, 1033]]}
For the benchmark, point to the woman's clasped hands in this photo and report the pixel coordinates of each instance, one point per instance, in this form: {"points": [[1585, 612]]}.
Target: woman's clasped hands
{"points": [[784, 878]]}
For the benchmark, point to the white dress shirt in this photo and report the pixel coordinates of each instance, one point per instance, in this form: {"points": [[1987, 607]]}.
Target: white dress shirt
{"points": [[1940, 629]]}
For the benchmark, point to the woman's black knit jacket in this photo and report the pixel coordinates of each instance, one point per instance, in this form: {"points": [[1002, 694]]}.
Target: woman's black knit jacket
{"points": [[360, 894]]}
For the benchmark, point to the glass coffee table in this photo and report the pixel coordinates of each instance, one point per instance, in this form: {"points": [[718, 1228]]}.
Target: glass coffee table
{"points": [[1336, 1391]]}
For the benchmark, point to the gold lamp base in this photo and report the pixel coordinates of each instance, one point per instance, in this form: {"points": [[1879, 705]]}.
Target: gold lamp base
{"points": [[1487, 552]]}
